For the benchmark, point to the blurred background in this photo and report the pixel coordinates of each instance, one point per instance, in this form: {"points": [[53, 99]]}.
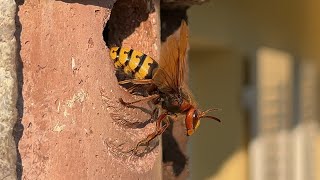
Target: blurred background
{"points": [[259, 61]]}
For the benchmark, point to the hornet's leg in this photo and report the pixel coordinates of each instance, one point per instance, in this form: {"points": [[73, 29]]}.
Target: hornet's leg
{"points": [[136, 81], [150, 98], [141, 89], [159, 130], [132, 88], [155, 113], [165, 126]]}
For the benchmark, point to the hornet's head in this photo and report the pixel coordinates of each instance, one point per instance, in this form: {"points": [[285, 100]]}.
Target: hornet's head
{"points": [[193, 117]]}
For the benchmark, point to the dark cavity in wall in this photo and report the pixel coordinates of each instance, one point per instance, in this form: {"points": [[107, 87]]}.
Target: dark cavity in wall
{"points": [[126, 16], [18, 127], [171, 19]]}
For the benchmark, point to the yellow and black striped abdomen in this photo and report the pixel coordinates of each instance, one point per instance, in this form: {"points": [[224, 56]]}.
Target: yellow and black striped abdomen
{"points": [[133, 62]]}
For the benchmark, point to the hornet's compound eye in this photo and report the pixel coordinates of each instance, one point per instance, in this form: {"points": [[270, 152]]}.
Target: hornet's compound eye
{"points": [[195, 115], [196, 120]]}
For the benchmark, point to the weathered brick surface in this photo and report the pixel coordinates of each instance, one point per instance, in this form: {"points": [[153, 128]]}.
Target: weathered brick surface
{"points": [[71, 114]]}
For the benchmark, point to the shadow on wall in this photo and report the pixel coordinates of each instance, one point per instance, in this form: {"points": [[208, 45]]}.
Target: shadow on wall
{"points": [[18, 127], [173, 155]]}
